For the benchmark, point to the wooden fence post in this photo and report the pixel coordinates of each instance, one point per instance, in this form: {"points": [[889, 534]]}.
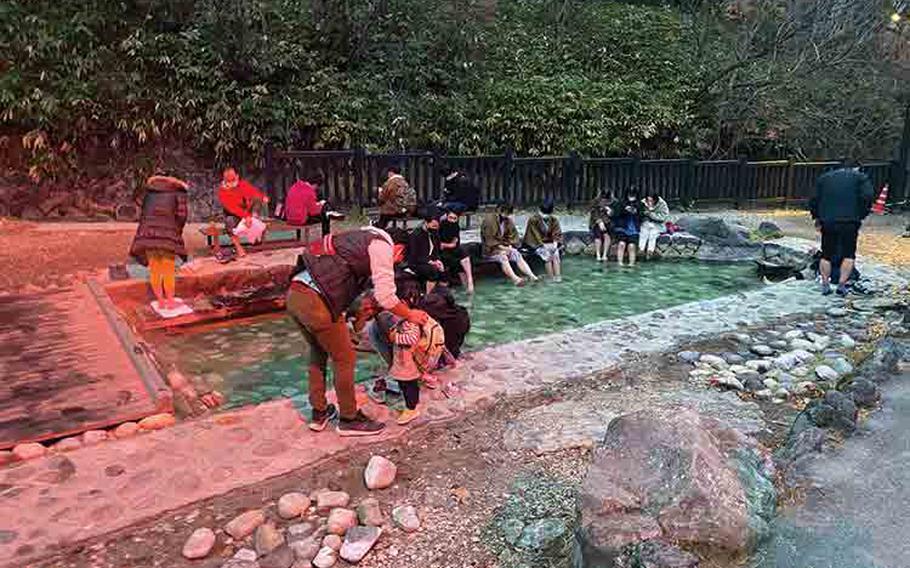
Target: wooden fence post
{"points": [[741, 180], [791, 173], [687, 194], [437, 171], [507, 189], [270, 173], [570, 179], [359, 176]]}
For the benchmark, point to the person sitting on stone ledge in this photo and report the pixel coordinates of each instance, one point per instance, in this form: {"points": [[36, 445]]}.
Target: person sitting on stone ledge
{"points": [[500, 240], [626, 226], [397, 199], [600, 223], [303, 204], [655, 213], [456, 259], [423, 249], [238, 198], [543, 235]]}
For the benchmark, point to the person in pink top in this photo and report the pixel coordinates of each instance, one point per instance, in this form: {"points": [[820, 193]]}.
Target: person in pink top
{"points": [[303, 203]]}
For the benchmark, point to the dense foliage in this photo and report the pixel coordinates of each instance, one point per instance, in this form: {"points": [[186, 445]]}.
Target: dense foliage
{"points": [[221, 77]]}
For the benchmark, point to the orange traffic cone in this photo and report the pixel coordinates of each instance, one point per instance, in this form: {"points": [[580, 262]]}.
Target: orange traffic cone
{"points": [[879, 207]]}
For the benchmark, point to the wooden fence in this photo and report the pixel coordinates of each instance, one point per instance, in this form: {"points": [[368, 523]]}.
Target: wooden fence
{"points": [[352, 176]]}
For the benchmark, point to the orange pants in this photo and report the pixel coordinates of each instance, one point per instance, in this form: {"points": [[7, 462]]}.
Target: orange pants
{"points": [[162, 273]]}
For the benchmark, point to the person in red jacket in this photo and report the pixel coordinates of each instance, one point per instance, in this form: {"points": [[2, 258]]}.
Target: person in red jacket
{"points": [[237, 197], [303, 203]]}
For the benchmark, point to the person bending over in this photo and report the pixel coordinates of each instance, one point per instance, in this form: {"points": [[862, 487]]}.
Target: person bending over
{"points": [[543, 235], [328, 279], [499, 239]]}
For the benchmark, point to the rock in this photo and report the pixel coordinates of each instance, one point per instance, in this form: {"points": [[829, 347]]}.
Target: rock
{"points": [[293, 505], [126, 430], [575, 247], [760, 365], [801, 372], [688, 356], [325, 558], [778, 344], [358, 542], [837, 312], [785, 379], [826, 373], [804, 388], [511, 529], [743, 338], [235, 563], [753, 384], [660, 554], [787, 361], [405, 517], [782, 393], [681, 475], [741, 369], [370, 513], [199, 544], [92, 437], [846, 341], [157, 422], [802, 355], [327, 500], [845, 408], [864, 392], [762, 350], [715, 361], [340, 520], [333, 541], [768, 230], [267, 538], [770, 384], [715, 231], [764, 394], [247, 554], [68, 444], [542, 534], [281, 557], [29, 451], [306, 549], [842, 366], [793, 334], [725, 381], [380, 473], [300, 531], [733, 358], [802, 344], [244, 524], [6, 457]]}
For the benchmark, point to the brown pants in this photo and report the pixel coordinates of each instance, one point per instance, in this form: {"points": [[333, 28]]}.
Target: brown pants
{"points": [[326, 337]]}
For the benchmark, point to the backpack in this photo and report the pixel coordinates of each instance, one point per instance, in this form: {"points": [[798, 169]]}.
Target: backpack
{"points": [[430, 347]]}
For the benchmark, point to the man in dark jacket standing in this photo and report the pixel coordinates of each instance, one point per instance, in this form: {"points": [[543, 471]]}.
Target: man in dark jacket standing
{"points": [[842, 200]]}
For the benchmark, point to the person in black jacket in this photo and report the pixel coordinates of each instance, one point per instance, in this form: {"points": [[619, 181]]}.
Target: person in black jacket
{"points": [[842, 200], [460, 193], [456, 259], [423, 249]]}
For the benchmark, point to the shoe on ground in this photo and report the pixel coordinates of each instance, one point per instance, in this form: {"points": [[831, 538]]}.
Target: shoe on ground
{"points": [[407, 416], [335, 215], [360, 425], [842, 290], [826, 289], [322, 418]]}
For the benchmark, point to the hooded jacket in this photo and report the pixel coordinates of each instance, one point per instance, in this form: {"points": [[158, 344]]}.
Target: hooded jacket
{"points": [[164, 214]]}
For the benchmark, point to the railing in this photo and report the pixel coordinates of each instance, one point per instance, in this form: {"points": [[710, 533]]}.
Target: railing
{"points": [[352, 177]]}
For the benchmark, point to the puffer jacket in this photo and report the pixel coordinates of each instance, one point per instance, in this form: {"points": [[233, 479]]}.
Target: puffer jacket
{"points": [[842, 196], [659, 214], [164, 214]]}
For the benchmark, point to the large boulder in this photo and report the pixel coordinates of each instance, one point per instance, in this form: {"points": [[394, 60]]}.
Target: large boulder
{"points": [[679, 476], [716, 231]]}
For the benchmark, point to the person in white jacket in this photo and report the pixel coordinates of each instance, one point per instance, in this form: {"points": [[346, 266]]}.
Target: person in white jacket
{"points": [[654, 214]]}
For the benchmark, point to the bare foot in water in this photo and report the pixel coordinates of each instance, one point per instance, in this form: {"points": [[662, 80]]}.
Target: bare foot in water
{"points": [[520, 282]]}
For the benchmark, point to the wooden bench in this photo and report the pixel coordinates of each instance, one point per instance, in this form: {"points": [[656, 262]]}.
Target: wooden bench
{"points": [[215, 230]]}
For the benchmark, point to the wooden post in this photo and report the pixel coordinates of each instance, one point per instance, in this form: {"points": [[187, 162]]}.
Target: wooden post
{"points": [[791, 173], [358, 165], [507, 189], [270, 173], [903, 160]]}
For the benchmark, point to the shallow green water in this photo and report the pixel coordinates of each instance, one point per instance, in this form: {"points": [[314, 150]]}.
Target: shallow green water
{"points": [[266, 359]]}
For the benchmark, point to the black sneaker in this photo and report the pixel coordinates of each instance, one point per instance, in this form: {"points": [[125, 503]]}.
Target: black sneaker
{"points": [[842, 290], [335, 215], [321, 418], [360, 425]]}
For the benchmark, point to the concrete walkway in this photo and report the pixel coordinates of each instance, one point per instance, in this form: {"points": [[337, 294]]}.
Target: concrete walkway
{"points": [[69, 497]]}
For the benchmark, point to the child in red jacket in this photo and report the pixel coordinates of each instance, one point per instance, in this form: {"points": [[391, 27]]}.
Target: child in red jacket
{"points": [[237, 197]]}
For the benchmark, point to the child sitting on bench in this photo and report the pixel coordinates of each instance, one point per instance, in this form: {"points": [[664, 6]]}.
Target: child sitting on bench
{"points": [[237, 197]]}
